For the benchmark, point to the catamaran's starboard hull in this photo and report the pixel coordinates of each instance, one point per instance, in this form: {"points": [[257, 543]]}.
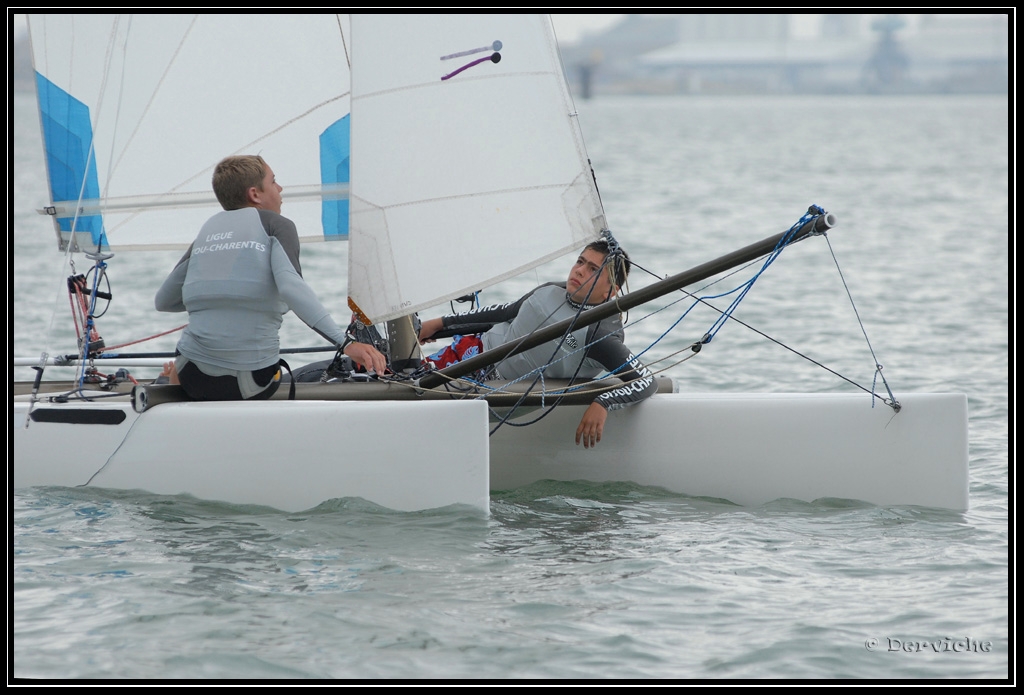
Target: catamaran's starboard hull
{"points": [[751, 449], [746, 448]]}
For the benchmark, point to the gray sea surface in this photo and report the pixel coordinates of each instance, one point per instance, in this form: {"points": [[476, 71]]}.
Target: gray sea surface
{"points": [[595, 581]]}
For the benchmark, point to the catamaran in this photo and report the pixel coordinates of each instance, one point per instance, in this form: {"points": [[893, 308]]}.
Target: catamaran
{"points": [[400, 130]]}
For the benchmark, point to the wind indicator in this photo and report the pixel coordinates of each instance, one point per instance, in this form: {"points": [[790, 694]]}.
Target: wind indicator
{"points": [[494, 58]]}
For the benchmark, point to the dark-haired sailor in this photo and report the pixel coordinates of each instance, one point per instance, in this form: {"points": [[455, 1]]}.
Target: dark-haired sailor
{"points": [[583, 354]]}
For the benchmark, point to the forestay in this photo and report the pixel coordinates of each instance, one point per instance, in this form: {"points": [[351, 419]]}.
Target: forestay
{"points": [[468, 166], [164, 97]]}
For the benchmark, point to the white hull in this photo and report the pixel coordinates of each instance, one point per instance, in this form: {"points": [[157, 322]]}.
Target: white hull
{"points": [[287, 455], [751, 449], [746, 448]]}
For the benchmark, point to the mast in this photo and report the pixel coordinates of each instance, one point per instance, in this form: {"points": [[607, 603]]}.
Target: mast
{"points": [[404, 343]]}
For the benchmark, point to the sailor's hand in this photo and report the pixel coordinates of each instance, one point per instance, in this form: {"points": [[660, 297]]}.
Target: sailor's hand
{"points": [[367, 356], [171, 372], [429, 328], [591, 426]]}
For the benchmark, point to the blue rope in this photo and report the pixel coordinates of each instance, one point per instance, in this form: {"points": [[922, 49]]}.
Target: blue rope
{"points": [[609, 238], [812, 212]]}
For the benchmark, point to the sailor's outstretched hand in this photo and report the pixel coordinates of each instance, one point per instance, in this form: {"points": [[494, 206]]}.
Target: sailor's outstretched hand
{"points": [[591, 426], [429, 328], [367, 356]]}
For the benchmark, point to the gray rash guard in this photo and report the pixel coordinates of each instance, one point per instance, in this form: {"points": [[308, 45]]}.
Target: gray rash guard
{"points": [[236, 281], [544, 306]]}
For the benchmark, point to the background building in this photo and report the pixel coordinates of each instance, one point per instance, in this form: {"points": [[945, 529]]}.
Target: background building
{"points": [[794, 53]]}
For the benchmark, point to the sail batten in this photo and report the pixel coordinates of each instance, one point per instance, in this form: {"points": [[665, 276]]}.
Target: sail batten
{"points": [[93, 206]]}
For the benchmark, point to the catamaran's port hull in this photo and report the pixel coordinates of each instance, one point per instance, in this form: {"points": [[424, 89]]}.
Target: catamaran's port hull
{"points": [[746, 448], [289, 455]]}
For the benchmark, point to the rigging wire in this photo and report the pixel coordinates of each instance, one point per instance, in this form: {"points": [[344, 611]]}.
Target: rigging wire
{"points": [[727, 314], [878, 367]]}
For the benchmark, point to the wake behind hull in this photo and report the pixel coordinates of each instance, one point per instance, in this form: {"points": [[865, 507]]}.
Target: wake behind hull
{"points": [[749, 449]]}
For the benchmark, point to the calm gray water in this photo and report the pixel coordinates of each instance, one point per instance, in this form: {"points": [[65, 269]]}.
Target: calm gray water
{"points": [[598, 581]]}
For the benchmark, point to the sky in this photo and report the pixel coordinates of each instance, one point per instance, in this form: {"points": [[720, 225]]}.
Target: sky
{"points": [[570, 28]]}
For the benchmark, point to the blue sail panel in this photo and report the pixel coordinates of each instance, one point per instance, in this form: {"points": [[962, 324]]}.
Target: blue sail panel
{"points": [[67, 136], [334, 168]]}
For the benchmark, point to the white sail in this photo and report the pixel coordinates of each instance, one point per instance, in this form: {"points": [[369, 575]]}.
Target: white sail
{"points": [[465, 171], [137, 109]]}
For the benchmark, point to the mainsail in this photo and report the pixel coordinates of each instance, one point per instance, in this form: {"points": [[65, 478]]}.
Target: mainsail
{"points": [[468, 166], [137, 109]]}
